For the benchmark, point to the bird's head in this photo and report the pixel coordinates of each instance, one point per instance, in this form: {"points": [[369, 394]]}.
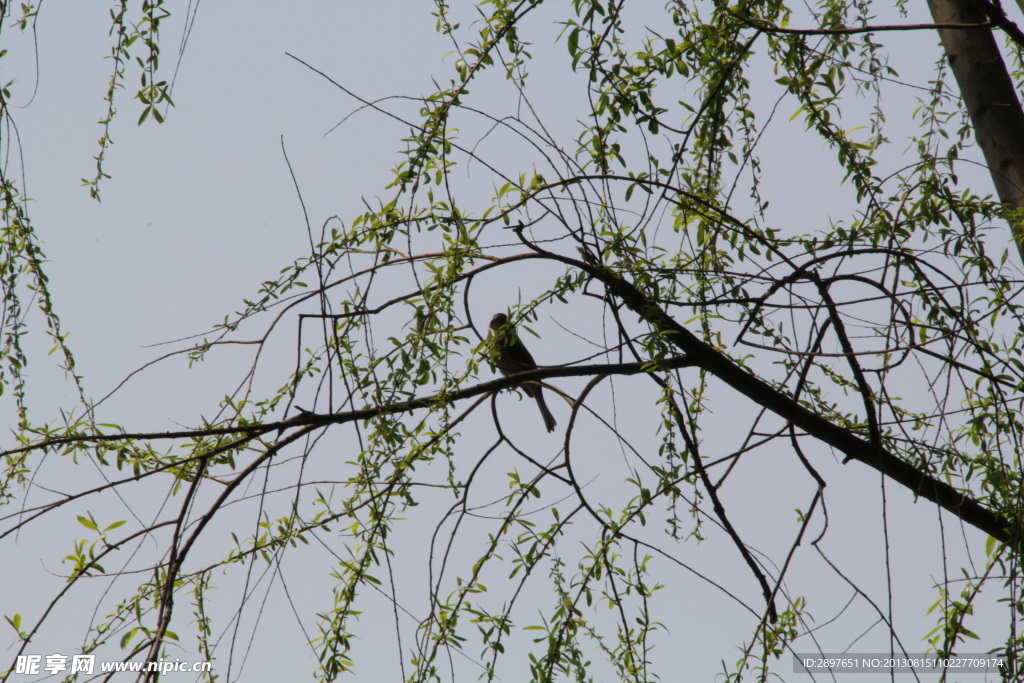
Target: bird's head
{"points": [[498, 321]]}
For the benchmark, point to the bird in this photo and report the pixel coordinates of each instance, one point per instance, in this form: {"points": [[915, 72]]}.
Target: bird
{"points": [[510, 356]]}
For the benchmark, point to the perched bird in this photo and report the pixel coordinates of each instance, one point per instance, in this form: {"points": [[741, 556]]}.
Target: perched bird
{"points": [[511, 356]]}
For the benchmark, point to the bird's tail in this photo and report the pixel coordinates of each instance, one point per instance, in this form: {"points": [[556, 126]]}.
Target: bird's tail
{"points": [[549, 419]]}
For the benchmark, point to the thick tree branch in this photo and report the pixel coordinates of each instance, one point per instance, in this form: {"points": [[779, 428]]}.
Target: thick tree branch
{"points": [[846, 442], [991, 100]]}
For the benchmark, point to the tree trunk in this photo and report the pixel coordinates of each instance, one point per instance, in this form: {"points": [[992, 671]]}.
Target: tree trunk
{"points": [[992, 102]]}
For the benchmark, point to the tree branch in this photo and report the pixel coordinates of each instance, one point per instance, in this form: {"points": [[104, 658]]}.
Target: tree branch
{"points": [[846, 442], [307, 419]]}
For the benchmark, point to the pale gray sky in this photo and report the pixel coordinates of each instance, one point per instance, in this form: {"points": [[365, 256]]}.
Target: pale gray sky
{"points": [[201, 209]]}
